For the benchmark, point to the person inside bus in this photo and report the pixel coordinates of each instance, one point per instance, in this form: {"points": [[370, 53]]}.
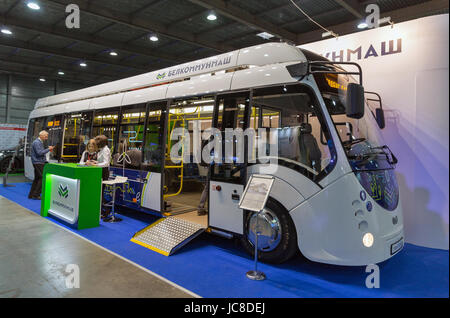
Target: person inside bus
{"points": [[90, 154], [38, 159]]}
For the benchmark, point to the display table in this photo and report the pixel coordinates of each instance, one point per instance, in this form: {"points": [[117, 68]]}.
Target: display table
{"points": [[72, 193]]}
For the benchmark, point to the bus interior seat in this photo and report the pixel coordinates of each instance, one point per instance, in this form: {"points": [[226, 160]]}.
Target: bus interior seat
{"points": [[310, 153]]}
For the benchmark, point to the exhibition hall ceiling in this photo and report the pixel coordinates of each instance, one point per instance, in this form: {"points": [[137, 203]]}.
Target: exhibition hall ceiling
{"points": [[120, 38]]}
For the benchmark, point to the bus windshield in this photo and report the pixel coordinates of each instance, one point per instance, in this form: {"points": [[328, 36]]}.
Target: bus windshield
{"points": [[361, 138], [370, 159]]}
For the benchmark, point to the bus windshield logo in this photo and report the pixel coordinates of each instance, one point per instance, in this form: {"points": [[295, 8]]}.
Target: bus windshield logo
{"points": [[63, 191]]}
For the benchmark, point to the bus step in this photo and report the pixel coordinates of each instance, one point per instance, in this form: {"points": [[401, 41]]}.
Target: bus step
{"points": [[167, 235]]}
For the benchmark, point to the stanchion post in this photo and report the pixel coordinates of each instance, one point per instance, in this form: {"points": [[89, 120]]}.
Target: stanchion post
{"points": [[255, 274]]}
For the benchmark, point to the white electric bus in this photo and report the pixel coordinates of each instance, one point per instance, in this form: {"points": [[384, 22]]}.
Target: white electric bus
{"points": [[335, 196]]}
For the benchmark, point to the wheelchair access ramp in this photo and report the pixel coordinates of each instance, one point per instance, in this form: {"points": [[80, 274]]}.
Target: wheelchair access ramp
{"points": [[167, 235]]}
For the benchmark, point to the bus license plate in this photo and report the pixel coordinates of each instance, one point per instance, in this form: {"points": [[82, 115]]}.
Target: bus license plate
{"points": [[395, 247]]}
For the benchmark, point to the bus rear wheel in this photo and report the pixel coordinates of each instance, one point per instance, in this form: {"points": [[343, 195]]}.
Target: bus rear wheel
{"points": [[277, 241]]}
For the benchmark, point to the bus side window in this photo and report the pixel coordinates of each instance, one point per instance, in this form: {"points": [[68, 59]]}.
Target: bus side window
{"points": [[76, 135], [291, 110], [154, 138], [54, 128], [270, 118], [231, 117], [105, 123], [85, 132], [131, 136], [35, 126]]}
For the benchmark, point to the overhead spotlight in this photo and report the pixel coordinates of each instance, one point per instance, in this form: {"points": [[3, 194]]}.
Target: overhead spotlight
{"points": [[211, 17], [42, 79], [83, 64], [61, 73], [6, 31], [362, 25], [154, 38], [112, 53], [33, 5], [265, 35]]}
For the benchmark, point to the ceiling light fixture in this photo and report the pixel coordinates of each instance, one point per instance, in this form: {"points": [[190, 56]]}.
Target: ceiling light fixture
{"points": [[154, 38], [6, 31], [112, 53], [42, 79], [82, 64], [362, 25], [61, 73], [211, 17], [265, 35], [33, 5]]}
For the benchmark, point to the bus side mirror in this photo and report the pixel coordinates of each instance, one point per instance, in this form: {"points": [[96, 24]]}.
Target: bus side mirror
{"points": [[379, 112], [379, 116], [355, 101]]}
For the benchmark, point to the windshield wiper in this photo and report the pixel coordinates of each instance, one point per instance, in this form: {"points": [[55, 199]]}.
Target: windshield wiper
{"points": [[383, 150], [388, 153], [349, 143]]}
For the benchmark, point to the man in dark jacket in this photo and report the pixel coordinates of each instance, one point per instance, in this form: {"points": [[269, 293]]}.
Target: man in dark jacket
{"points": [[38, 152]]}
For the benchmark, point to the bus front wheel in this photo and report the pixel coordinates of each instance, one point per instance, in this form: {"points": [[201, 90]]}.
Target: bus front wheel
{"points": [[277, 241]]}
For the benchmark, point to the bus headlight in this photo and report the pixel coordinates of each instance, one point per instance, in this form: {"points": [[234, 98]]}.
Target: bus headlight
{"points": [[367, 239]]}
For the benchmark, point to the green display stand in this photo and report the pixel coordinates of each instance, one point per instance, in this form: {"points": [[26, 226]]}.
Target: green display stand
{"points": [[72, 193]]}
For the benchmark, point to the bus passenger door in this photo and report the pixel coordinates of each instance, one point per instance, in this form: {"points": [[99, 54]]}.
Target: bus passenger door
{"points": [[228, 172], [54, 126], [76, 134], [153, 156]]}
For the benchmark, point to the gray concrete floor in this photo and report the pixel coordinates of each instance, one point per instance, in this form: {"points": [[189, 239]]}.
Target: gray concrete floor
{"points": [[34, 254]]}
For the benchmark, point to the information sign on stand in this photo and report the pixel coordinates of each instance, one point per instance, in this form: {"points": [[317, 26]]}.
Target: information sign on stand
{"points": [[254, 199]]}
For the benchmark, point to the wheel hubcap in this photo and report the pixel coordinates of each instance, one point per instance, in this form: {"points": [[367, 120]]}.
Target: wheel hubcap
{"points": [[269, 228]]}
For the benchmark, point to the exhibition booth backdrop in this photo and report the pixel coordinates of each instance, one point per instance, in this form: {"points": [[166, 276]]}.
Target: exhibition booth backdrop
{"points": [[407, 64], [10, 135]]}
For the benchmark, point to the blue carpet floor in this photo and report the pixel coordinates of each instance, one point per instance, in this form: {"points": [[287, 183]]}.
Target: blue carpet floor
{"points": [[214, 267]]}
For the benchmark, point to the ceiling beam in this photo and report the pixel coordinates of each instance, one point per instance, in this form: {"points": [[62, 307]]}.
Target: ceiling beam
{"points": [[147, 6], [237, 14], [352, 6], [12, 7], [25, 71], [14, 43], [254, 32], [316, 17], [397, 16], [223, 26], [87, 38], [54, 68], [134, 21]]}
